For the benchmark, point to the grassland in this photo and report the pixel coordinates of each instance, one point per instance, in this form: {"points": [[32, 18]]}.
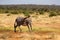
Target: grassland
{"points": [[45, 22], [44, 28]]}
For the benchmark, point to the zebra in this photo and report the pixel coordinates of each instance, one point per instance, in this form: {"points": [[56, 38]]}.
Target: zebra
{"points": [[23, 21]]}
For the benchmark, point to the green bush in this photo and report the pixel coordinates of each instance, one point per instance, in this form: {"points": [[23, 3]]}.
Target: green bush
{"points": [[58, 12], [26, 13], [6, 11], [14, 12], [41, 12], [52, 14]]}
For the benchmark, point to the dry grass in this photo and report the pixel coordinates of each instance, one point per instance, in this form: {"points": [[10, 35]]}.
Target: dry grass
{"points": [[44, 28], [36, 34], [42, 22]]}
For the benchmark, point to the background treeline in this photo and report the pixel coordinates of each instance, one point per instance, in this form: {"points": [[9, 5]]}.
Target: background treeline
{"points": [[53, 10]]}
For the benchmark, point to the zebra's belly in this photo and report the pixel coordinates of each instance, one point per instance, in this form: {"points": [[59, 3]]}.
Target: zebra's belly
{"points": [[24, 24]]}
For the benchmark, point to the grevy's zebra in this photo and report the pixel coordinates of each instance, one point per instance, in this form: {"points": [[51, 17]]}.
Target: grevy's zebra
{"points": [[23, 21]]}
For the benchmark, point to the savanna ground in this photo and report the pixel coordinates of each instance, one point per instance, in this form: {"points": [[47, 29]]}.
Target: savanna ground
{"points": [[44, 28]]}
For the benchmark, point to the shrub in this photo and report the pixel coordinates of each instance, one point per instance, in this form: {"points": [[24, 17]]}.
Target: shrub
{"points": [[58, 12], [26, 13], [41, 12], [52, 14], [8, 14], [14, 12], [6, 11]]}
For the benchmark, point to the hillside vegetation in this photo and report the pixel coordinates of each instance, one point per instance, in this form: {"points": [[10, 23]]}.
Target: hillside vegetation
{"points": [[53, 10]]}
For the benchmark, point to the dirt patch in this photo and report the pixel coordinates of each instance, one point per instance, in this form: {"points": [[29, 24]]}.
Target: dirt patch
{"points": [[10, 35]]}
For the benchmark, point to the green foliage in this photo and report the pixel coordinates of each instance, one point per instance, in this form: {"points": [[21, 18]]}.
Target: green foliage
{"points": [[52, 14], [6, 11], [41, 12], [14, 12], [58, 12], [43, 9], [30, 9], [26, 13], [20, 11]]}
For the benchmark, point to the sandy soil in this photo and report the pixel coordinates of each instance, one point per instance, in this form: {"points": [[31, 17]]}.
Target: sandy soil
{"points": [[10, 35]]}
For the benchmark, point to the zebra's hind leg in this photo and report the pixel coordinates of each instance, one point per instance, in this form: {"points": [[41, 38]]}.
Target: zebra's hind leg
{"points": [[28, 28], [20, 29], [15, 26]]}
